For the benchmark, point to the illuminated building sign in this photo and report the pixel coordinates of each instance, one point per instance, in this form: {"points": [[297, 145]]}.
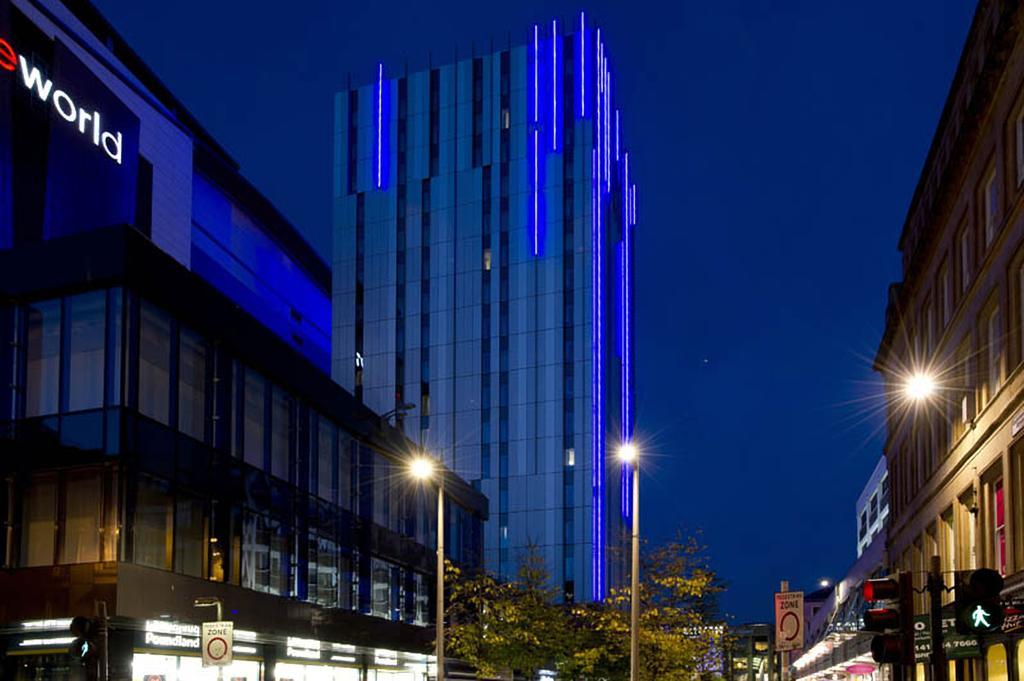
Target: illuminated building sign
{"points": [[90, 124], [69, 145], [304, 648], [171, 635]]}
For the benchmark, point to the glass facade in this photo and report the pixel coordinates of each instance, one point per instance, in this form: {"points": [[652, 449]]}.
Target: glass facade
{"points": [[487, 278], [220, 472]]}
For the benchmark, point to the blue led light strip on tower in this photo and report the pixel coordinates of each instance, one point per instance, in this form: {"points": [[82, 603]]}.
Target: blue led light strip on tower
{"points": [[583, 66], [598, 398], [554, 85], [596, 459], [536, 139], [380, 124]]}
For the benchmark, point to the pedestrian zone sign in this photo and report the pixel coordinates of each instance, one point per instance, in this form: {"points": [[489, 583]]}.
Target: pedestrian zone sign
{"points": [[217, 643], [789, 620]]}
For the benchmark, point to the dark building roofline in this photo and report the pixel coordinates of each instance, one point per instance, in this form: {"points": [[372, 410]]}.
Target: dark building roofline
{"points": [[215, 159], [231, 181]]}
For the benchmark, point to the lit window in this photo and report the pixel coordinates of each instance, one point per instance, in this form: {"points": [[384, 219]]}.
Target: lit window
{"points": [[570, 456], [506, 119], [1000, 527], [487, 259]]}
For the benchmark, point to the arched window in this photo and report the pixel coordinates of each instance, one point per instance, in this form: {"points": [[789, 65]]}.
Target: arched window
{"points": [[995, 660]]}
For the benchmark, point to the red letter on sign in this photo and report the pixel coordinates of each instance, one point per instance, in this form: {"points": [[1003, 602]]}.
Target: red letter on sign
{"points": [[8, 60]]}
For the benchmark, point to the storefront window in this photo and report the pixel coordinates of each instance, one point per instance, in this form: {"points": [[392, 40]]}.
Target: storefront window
{"points": [[255, 405], [149, 667], [40, 522], [281, 426], [995, 661], [345, 446], [82, 523], [422, 599], [192, 385], [323, 571], [347, 584], [264, 555], [86, 343], [42, 358], [325, 460], [188, 536], [381, 585], [154, 363], [293, 671], [152, 529], [381, 491]]}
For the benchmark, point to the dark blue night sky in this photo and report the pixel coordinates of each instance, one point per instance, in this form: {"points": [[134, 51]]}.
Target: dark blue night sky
{"points": [[776, 146]]}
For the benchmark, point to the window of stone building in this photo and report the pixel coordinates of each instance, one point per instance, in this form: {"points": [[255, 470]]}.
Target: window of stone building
{"points": [[995, 663], [1016, 482], [966, 547], [964, 247], [990, 206], [999, 520], [947, 546], [992, 353], [1019, 133], [945, 293], [962, 387]]}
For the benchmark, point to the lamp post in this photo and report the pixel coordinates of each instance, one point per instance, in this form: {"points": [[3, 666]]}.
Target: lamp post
{"points": [[919, 387], [628, 454], [422, 468], [211, 602]]}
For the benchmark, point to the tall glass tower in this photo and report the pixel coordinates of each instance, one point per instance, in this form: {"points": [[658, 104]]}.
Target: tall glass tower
{"points": [[483, 251]]}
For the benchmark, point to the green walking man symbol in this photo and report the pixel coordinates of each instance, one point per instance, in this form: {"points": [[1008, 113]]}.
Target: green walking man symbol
{"points": [[980, 618]]}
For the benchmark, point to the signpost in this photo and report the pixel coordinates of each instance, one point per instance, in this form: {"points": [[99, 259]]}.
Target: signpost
{"points": [[217, 643]]}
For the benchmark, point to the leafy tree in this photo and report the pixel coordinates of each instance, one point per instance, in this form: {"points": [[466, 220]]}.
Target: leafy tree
{"points": [[678, 608], [520, 627], [505, 627]]}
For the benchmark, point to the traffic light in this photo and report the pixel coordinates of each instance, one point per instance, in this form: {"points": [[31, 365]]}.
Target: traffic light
{"points": [[86, 646], [978, 607], [893, 620]]}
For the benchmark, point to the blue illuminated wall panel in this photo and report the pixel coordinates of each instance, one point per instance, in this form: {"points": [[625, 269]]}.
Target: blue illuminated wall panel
{"points": [[233, 252]]}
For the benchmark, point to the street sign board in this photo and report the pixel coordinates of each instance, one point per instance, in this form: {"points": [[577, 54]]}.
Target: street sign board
{"points": [[217, 643], [957, 646], [789, 620]]}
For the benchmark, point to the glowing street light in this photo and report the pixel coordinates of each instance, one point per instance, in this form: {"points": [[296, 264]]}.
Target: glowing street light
{"points": [[629, 454], [919, 387], [423, 469]]}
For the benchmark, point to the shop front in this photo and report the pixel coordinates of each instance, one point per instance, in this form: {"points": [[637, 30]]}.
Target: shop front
{"points": [[164, 650]]}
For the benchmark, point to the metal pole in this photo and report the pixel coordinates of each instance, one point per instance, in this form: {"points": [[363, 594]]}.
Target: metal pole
{"points": [[440, 579], [936, 587], [634, 585], [783, 655]]}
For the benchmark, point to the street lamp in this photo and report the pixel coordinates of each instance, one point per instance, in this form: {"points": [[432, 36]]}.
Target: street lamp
{"points": [[629, 454], [919, 387], [423, 469], [212, 602]]}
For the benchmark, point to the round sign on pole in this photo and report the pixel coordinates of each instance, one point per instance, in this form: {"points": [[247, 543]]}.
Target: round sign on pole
{"points": [[216, 648]]}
